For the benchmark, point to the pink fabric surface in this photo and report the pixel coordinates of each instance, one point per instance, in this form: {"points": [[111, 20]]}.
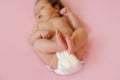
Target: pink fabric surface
{"points": [[19, 62]]}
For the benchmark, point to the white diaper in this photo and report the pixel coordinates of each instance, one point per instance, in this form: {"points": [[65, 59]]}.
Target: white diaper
{"points": [[67, 63]]}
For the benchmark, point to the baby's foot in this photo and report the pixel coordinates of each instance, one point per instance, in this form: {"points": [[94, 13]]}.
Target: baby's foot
{"points": [[61, 44], [70, 44]]}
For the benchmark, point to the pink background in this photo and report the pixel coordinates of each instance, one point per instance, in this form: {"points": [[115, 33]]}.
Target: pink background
{"points": [[19, 62]]}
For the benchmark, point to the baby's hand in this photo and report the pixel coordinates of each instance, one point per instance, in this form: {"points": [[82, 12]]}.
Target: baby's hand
{"points": [[40, 34], [45, 34], [65, 11]]}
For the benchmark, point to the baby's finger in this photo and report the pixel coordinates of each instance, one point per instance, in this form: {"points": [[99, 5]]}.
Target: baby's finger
{"points": [[47, 36], [63, 11]]}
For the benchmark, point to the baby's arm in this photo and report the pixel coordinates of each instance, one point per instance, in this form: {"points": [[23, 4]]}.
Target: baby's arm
{"points": [[79, 36], [72, 19], [42, 45], [40, 40], [39, 34], [51, 45]]}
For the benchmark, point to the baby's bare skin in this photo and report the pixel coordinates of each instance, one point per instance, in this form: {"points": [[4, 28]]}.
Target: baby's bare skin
{"points": [[48, 51], [53, 33]]}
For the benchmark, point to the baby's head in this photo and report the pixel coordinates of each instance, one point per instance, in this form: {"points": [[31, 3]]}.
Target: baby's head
{"points": [[53, 2], [47, 8]]}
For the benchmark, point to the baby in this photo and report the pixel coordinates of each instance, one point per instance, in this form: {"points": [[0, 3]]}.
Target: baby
{"points": [[58, 39]]}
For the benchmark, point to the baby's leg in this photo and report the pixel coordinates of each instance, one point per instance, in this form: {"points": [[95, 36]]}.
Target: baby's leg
{"points": [[80, 53], [79, 38], [45, 46]]}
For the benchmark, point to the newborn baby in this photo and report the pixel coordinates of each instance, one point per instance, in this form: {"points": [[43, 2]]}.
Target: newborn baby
{"points": [[58, 39]]}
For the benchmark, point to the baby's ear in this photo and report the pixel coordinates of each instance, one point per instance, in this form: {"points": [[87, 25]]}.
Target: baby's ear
{"points": [[57, 7]]}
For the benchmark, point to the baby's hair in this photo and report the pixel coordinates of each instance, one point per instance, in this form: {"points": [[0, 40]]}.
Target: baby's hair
{"points": [[53, 2]]}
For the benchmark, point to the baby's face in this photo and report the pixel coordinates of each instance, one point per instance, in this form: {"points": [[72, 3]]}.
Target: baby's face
{"points": [[44, 10]]}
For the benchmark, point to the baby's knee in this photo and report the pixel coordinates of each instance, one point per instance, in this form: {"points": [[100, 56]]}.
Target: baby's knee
{"points": [[80, 31]]}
